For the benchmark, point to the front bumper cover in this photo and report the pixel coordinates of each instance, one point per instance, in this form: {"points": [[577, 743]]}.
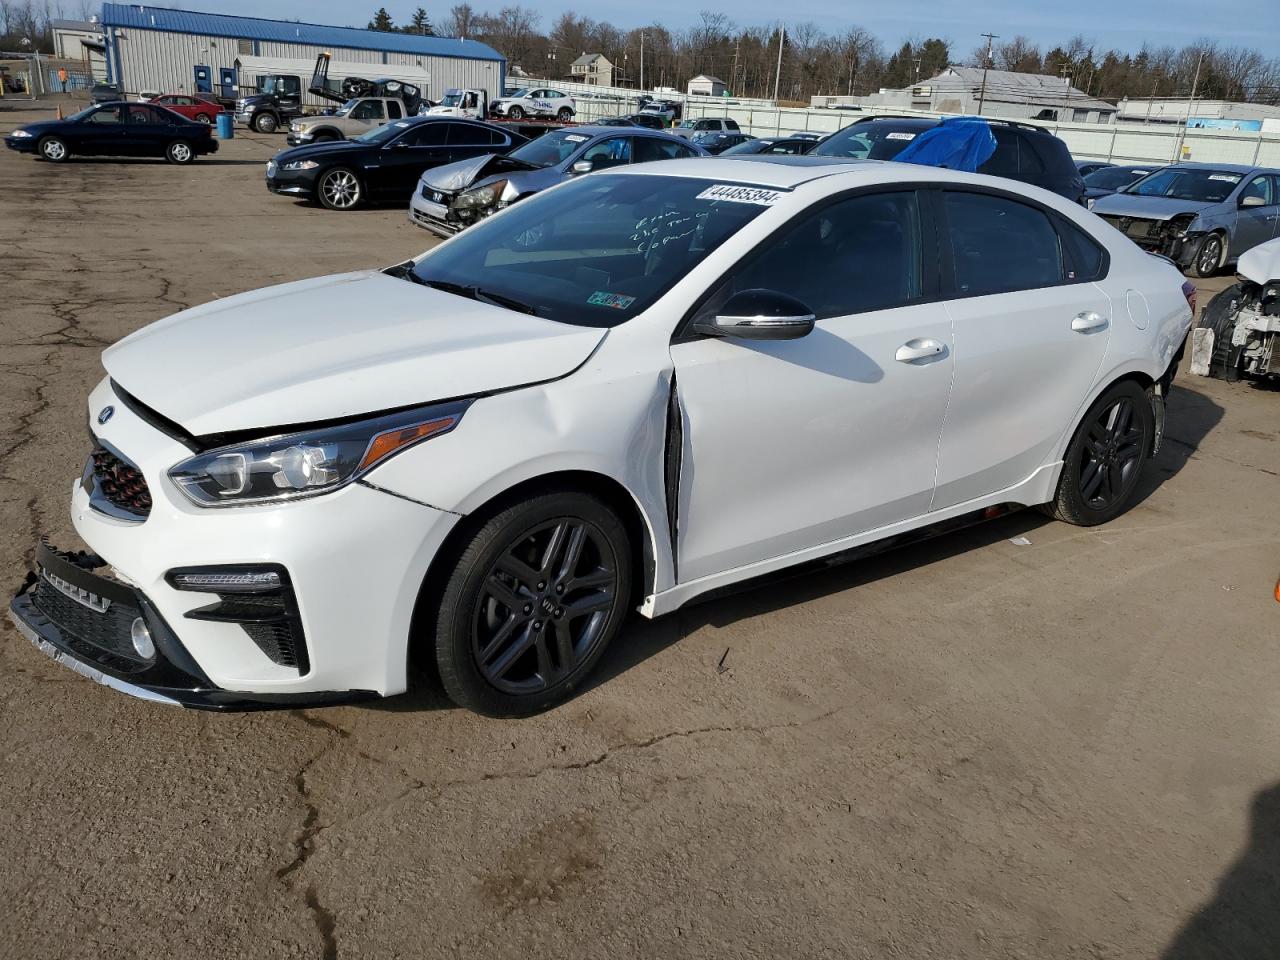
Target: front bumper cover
{"points": [[83, 624]]}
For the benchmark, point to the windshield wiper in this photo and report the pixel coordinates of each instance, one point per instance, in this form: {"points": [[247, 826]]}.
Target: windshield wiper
{"points": [[404, 271], [476, 293]]}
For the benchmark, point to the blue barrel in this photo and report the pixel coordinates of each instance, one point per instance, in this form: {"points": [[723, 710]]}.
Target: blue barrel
{"points": [[226, 126]]}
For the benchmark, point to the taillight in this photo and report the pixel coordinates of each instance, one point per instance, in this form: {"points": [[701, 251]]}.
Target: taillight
{"points": [[1189, 291]]}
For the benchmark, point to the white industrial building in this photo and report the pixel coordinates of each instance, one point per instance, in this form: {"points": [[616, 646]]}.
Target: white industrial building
{"points": [[164, 50], [1221, 114], [81, 40], [1002, 93]]}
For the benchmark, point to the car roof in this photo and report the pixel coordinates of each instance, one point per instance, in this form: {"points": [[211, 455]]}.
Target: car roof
{"points": [[1227, 167], [597, 129]]}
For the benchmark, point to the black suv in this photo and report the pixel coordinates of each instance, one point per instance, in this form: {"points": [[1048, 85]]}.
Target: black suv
{"points": [[1023, 151]]}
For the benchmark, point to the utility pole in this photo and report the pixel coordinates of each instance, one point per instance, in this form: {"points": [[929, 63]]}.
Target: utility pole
{"points": [[986, 65], [1151, 101], [777, 79], [733, 77], [1065, 70], [642, 60], [1182, 134]]}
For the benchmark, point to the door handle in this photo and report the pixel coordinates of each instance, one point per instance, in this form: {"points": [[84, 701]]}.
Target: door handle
{"points": [[1088, 321], [919, 350]]}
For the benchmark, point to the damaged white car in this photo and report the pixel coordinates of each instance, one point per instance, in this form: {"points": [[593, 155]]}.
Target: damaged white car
{"points": [[1239, 332], [627, 391]]}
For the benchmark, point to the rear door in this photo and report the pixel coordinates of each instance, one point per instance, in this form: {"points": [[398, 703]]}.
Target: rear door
{"points": [[1031, 330], [147, 131], [401, 162]]}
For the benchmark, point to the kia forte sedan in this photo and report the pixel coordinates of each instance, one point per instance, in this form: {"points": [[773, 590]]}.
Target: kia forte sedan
{"points": [[626, 391]]}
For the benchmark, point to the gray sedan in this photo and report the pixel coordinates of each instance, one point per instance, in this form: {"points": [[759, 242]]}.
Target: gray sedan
{"points": [[454, 196], [1202, 215]]}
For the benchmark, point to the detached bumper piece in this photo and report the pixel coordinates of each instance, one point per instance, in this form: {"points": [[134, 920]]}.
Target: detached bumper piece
{"points": [[111, 633]]}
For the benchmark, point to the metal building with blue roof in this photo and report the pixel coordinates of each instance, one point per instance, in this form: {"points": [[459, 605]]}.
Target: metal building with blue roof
{"points": [[165, 50]]}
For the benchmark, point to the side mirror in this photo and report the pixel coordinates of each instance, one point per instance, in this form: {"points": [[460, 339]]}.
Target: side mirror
{"points": [[582, 166], [759, 315], [1253, 201]]}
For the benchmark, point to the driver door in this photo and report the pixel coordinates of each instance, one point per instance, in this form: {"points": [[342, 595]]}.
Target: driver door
{"points": [[790, 444], [1255, 224]]}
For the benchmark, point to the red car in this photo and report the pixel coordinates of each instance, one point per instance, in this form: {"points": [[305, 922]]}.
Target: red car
{"points": [[191, 106]]}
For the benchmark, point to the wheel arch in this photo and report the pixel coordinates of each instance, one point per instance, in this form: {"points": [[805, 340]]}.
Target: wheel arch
{"points": [[329, 132], [1134, 373]]}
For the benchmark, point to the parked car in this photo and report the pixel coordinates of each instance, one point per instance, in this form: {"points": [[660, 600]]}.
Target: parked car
{"points": [[633, 389], [650, 121], [106, 92], [1202, 215], [666, 110], [770, 146], [192, 106], [541, 102], [690, 129], [451, 198], [1238, 334], [808, 135], [116, 130], [1087, 167], [1113, 179], [385, 163], [1024, 152], [358, 115], [714, 142]]}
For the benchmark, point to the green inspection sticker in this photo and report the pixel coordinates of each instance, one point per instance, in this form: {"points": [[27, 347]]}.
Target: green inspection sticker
{"points": [[616, 300]]}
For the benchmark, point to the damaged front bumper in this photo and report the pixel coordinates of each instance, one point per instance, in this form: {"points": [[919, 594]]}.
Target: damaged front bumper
{"points": [[1169, 238], [111, 633]]}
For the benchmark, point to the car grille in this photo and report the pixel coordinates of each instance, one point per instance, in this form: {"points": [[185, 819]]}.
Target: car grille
{"points": [[1132, 226], [120, 482], [103, 623], [435, 196]]}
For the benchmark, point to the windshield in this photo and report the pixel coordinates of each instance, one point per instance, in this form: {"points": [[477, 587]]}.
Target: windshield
{"points": [[83, 113], [384, 133], [748, 146], [347, 107], [1113, 178], [550, 148], [877, 140], [687, 124], [451, 100], [1196, 185], [594, 252], [522, 92]]}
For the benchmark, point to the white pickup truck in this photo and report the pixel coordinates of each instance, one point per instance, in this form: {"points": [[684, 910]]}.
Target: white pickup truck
{"points": [[358, 115]]}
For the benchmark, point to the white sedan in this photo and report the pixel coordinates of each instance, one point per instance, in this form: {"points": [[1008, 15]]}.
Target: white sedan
{"points": [[624, 392]]}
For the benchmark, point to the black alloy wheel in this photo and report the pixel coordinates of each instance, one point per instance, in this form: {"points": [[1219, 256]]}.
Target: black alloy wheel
{"points": [[533, 602]]}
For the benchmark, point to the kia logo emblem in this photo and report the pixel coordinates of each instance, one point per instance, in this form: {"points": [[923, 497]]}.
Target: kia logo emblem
{"points": [[105, 414]]}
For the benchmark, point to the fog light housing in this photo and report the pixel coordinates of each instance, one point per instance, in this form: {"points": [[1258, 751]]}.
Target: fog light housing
{"points": [[140, 634]]}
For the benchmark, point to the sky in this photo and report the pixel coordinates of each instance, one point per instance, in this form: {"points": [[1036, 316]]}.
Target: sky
{"points": [[1124, 26]]}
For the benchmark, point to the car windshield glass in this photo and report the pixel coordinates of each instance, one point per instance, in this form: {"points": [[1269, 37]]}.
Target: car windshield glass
{"points": [[550, 148], [522, 92], [451, 100], [1112, 178], [80, 115], [877, 140], [594, 252], [346, 108], [749, 146], [384, 133], [1205, 186]]}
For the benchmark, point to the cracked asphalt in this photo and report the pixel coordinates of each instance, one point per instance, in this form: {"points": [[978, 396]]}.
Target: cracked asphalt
{"points": [[969, 748]]}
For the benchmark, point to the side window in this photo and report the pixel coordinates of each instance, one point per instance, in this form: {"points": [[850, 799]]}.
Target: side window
{"points": [[613, 152], [393, 109], [367, 110], [184, 101], [1260, 187], [650, 149], [1000, 245], [472, 135], [855, 256], [143, 113], [732, 125], [431, 134], [105, 116], [1083, 258]]}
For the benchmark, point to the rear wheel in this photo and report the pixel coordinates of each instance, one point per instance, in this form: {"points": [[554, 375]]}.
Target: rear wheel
{"points": [[53, 149], [1105, 459], [531, 604], [340, 189], [179, 152], [203, 118], [264, 123], [1208, 256], [564, 115]]}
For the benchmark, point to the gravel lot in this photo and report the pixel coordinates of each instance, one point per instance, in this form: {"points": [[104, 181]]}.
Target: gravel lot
{"points": [[968, 748]]}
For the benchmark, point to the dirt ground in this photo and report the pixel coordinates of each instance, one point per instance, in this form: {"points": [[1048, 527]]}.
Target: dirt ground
{"points": [[971, 748]]}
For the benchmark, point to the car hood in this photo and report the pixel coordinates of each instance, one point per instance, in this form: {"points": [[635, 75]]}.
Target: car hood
{"points": [[1262, 263], [329, 147], [333, 347], [41, 126], [455, 177], [1147, 208]]}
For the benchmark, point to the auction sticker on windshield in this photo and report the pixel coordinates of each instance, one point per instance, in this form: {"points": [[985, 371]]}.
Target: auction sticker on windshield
{"points": [[736, 194], [618, 301], [1228, 177], [899, 135], [576, 138]]}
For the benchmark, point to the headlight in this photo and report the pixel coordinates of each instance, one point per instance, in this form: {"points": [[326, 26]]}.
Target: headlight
{"points": [[485, 196], [309, 463], [20, 133], [300, 165]]}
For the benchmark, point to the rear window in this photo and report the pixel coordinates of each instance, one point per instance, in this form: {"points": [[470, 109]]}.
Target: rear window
{"points": [[876, 140], [1113, 178]]}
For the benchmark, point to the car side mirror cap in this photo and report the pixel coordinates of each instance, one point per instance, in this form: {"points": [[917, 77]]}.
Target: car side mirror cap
{"points": [[759, 315], [582, 166], [1253, 201]]}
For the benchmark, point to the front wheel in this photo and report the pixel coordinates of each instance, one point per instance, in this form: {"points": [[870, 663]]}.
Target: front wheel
{"points": [[516, 113], [1104, 461], [340, 189], [1208, 256], [264, 123], [179, 152], [53, 149], [534, 599]]}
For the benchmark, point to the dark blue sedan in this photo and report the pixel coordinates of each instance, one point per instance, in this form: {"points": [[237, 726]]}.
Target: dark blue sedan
{"points": [[116, 130]]}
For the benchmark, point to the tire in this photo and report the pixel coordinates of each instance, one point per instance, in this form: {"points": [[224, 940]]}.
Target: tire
{"points": [[518, 660], [203, 118], [264, 123], [1207, 259], [1219, 315], [564, 115], [179, 152], [515, 113], [53, 149], [1104, 460], [323, 138], [340, 189]]}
